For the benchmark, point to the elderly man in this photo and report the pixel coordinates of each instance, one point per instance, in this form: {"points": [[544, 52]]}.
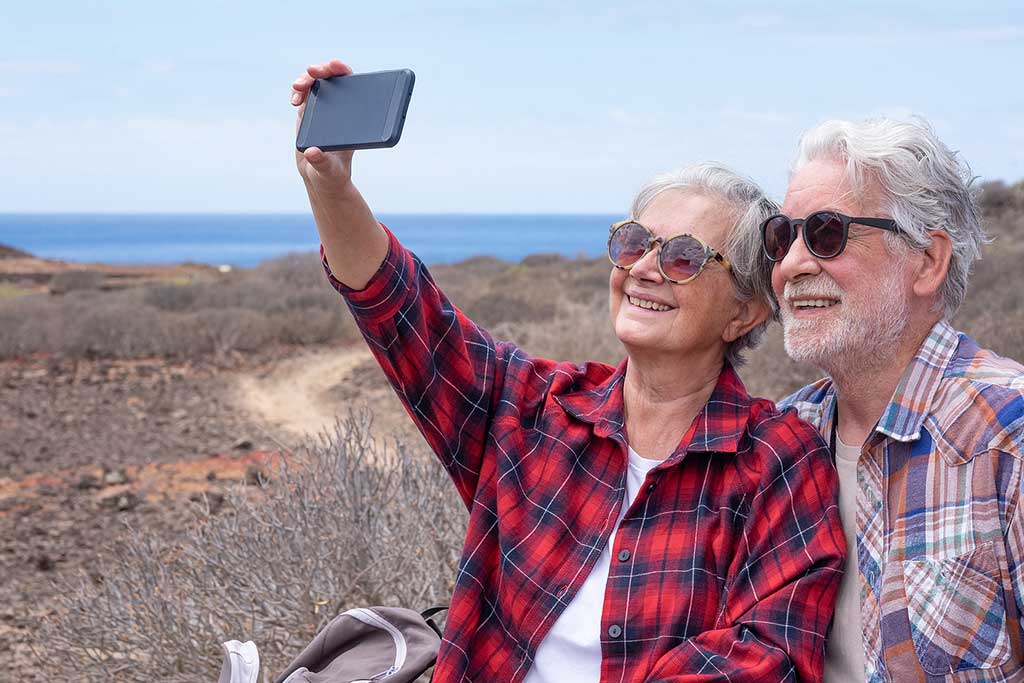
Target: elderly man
{"points": [[869, 261]]}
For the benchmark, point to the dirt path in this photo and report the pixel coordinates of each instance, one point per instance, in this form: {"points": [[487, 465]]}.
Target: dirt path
{"points": [[291, 399]]}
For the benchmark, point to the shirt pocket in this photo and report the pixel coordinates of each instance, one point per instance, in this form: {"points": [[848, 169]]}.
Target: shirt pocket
{"points": [[956, 611]]}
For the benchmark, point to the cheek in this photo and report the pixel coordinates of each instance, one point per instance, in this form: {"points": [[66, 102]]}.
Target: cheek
{"points": [[778, 282], [615, 281]]}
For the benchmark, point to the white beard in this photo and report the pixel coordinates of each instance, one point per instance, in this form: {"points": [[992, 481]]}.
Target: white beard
{"points": [[865, 335]]}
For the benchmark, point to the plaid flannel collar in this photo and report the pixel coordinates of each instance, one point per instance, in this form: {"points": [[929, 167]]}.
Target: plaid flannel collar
{"points": [[717, 428], [912, 401]]}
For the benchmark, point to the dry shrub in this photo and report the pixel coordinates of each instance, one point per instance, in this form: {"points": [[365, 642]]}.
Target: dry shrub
{"points": [[498, 307], [28, 324], [293, 271], [580, 331], [346, 522], [72, 280], [219, 331], [241, 292], [315, 326], [115, 331], [169, 297]]}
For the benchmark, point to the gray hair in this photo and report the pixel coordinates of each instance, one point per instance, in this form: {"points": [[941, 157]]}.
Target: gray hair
{"points": [[924, 185], [748, 204]]}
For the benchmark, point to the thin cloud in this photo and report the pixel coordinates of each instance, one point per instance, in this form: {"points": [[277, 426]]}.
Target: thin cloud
{"points": [[159, 66], [620, 116], [944, 35], [760, 19], [771, 118], [40, 66]]}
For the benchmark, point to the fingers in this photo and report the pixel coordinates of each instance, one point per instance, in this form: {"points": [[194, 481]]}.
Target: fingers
{"points": [[300, 88], [302, 84], [335, 67]]}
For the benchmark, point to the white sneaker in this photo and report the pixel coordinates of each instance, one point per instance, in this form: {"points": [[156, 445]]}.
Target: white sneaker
{"points": [[241, 662]]}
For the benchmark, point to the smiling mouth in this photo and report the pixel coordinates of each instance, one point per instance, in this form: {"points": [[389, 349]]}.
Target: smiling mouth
{"points": [[648, 305], [809, 304]]}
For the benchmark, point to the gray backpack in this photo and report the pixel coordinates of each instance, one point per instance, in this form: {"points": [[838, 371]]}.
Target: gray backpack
{"points": [[367, 645]]}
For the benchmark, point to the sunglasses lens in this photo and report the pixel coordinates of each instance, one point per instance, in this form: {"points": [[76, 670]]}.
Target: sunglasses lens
{"points": [[682, 257], [824, 233], [778, 237], [628, 244]]}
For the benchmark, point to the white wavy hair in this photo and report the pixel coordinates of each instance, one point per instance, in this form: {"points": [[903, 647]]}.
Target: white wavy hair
{"points": [[924, 186]]}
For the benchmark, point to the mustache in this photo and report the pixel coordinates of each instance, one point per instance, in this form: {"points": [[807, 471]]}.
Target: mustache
{"points": [[823, 285]]}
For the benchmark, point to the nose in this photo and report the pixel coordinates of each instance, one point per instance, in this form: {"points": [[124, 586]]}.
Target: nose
{"points": [[798, 261], [646, 269]]}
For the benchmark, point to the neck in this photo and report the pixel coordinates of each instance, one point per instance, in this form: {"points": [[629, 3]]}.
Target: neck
{"points": [[661, 399], [863, 390]]}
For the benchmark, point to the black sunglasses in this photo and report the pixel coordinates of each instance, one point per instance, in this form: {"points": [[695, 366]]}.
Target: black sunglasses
{"points": [[825, 233], [681, 257]]}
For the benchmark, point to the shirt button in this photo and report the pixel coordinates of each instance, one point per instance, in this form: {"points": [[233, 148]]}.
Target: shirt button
{"points": [[614, 630], [650, 487], [562, 590], [623, 555]]}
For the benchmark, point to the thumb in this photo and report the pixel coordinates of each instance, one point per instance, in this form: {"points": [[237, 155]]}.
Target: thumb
{"points": [[317, 158]]}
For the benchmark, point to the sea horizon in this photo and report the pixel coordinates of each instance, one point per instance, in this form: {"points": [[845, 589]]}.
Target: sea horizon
{"points": [[247, 239]]}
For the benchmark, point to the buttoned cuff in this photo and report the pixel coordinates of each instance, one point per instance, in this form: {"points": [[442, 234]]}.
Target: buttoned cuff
{"points": [[387, 288]]}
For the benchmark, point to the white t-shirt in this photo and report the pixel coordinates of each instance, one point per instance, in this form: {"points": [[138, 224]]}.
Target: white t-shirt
{"points": [[571, 651], [844, 651]]}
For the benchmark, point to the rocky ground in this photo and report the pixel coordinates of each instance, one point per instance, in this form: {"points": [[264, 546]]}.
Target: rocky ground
{"points": [[90, 448]]}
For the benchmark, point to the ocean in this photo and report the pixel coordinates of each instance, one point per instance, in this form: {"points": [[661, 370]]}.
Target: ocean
{"points": [[247, 239]]}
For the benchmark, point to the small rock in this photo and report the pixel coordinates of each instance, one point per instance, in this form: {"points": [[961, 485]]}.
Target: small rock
{"points": [[211, 475], [179, 414], [88, 482], [242, 445], [114, 477], [254, 476], [121, 502], [45, 563]]}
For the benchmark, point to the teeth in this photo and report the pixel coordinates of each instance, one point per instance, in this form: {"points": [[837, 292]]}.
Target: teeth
{"points": [[650, 305], [814, 303]]}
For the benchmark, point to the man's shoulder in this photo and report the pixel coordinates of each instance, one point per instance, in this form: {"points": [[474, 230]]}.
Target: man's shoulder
{"points": [[809, 402], [984, 368], [979, 404]]}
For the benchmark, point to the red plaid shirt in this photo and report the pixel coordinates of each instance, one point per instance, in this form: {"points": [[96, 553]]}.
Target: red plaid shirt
{"points": [[725, 567]]}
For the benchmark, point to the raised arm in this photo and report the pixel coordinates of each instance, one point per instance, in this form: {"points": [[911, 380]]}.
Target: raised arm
{"points": [[354, 242]]}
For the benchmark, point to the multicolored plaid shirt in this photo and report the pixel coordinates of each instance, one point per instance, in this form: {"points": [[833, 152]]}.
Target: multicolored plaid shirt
{"points": [[725, 567], [940, 537]]}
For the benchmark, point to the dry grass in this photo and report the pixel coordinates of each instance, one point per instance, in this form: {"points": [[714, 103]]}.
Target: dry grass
{"points": [[347, 521]]}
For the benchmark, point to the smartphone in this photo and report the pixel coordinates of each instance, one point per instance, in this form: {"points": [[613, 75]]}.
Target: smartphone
{"points": [[358, 111]]}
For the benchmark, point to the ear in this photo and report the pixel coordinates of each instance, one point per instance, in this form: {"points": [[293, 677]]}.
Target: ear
{"points": [[931, 271], [749, 314]]}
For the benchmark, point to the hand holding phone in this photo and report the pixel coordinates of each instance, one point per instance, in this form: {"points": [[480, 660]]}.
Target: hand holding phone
{"points": [[322, 171], [356, 111]]}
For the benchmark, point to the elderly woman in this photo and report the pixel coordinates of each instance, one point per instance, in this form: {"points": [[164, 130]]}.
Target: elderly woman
{"points": [[639, 523]]}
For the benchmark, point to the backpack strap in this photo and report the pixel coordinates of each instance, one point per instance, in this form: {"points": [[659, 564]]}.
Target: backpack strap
{"points": [[428, 613]]}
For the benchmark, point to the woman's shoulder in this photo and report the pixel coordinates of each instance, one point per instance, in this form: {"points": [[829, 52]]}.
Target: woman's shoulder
{"points": [[556, 377], [780, 433]]}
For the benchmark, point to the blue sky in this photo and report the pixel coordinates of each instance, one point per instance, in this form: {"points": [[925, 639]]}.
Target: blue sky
{"points": [[519, 106]]}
